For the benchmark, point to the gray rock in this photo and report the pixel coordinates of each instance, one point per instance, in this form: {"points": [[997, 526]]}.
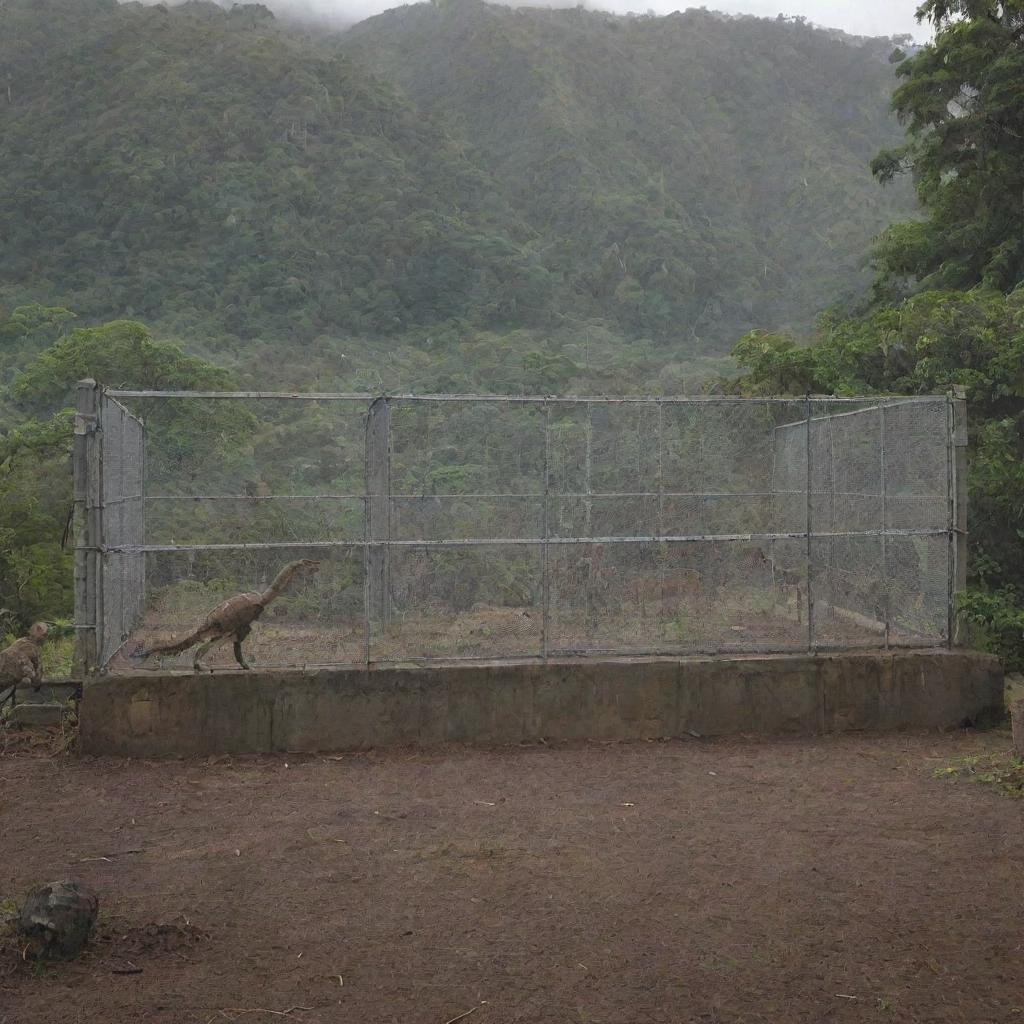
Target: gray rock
{"points": [[59, 917]]}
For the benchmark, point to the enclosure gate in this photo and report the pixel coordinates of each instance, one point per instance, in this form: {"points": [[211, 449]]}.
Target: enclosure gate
{"points": [[462, 527]]}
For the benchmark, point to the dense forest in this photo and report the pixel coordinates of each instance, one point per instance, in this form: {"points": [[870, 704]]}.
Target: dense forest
{"points": [[688, 174], [442, 177], [456, 196]]}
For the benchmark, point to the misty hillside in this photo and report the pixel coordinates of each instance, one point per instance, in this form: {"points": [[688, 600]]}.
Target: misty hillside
{"points": [[441, 171], [695, 171], [210, 172]]}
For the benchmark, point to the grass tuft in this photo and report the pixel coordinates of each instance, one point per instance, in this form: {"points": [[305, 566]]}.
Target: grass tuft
{"points": [[1003, 771]]}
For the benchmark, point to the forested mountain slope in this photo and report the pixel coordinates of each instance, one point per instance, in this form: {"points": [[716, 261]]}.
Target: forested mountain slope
{"points": [[212, 173], [457, 171], [691, 174]]}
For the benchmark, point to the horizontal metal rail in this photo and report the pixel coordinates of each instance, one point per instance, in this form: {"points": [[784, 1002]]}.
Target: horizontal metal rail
{"points": [[327, 396], [868, 406], [799, 492], [123, 500], [483, 542], [308, 396], [282, 497]]}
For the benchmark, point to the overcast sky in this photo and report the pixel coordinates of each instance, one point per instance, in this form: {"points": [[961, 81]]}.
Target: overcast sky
{"points": [[862, 17]]}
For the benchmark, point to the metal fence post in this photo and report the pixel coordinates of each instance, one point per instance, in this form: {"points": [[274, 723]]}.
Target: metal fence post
{"points": [[545, 641], [958, 511], [378, 513], [660, 469], [884, 488], [87, 538], [588, 457], [808, 483]]}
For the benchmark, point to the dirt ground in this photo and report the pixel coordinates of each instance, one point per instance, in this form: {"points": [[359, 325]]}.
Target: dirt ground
{"points": [[493, 632], [820, 880]]}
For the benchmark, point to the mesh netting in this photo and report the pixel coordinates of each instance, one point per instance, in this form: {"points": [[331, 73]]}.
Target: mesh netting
{"points": [[449, 528], [123, 586]]}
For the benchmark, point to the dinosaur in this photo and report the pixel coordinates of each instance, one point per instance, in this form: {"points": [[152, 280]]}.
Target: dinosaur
{"points": [[20, 663], [233, 619]]}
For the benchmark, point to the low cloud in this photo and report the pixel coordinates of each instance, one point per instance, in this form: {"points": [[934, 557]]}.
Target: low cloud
{"points": [[866, 17]]}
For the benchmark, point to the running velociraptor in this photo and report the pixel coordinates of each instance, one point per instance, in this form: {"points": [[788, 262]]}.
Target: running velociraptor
{"points": [[233, 619]]}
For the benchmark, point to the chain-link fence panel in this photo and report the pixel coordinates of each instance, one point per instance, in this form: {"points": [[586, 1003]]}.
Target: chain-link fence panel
{"points": [[122, 506], [918, 465], [846, 571], [448, 603], [918, 584], [450, 527], [672, 597]]}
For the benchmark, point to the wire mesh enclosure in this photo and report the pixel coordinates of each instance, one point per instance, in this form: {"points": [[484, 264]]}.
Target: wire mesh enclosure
{"points": [[452, 527]]}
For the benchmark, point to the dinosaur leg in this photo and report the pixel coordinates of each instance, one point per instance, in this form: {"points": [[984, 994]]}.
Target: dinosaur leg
{"points": [[239, 640], [206, 649], [240, 657], [201, 650]]}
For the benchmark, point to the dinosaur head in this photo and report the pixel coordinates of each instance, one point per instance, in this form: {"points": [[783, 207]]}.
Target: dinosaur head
{"points": [[293, 571]]}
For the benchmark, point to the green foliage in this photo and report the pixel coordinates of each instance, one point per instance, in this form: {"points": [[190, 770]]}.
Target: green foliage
{"points": [[222, 176], [997, 618], [925, 345], [962, 99], [35, 497], [1005, 772], [120, 354], [232, 181], [687, 176], [26, 331], [35, 478], [929, 344]]}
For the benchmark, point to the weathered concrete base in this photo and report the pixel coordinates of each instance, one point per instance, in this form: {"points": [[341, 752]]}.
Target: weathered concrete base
{"points": [[42, 707], [36, 716], [152, 715]]}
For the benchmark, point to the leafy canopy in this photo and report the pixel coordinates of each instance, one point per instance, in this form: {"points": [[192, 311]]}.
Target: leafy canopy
{"points": [[35, 482], [962, 100], [462, 169]]}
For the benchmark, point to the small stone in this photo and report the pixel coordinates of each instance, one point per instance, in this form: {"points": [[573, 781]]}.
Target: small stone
{"points": [[59, 917]]}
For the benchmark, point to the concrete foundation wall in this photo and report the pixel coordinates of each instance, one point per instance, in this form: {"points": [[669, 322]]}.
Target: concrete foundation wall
{"points": [[153, 715]]}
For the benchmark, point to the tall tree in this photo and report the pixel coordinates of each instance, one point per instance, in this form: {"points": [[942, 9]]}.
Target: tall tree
{"points": [[962, 100], [35, 484]]}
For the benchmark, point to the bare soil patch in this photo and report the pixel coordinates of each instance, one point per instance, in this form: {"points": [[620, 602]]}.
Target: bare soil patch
{"points": [[641, 624], [834, 879]]}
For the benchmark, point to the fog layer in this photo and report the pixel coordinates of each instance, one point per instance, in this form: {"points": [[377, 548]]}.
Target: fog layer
{"points": [[863, 17]]}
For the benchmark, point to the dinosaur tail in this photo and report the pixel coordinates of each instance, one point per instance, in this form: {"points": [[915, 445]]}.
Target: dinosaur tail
{"points": [[177, 647]]}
